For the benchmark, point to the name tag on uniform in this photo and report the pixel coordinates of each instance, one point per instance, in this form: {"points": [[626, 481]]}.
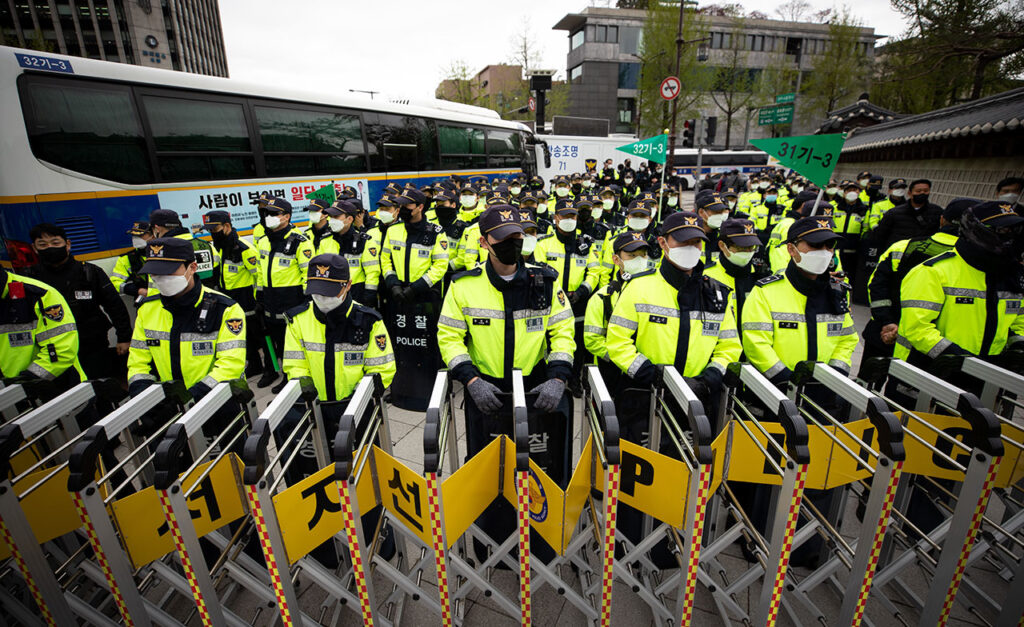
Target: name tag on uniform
{"points": [[658, 319], [534, 324], [964, 300], [834, 328], [284, 262], [785, 324], [231, 267], [710, 328], [483, 322], [83, 295], [152, 342], [423, 252], [353, 359], [1013, 306], [202, 348], [20, 339], [581, 262]]}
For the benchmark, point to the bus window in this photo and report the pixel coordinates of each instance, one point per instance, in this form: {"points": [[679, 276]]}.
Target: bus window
{"points": [[399, 143], [91, 129], [504, 148], [462, 147], [301, 142], [206, 127]]}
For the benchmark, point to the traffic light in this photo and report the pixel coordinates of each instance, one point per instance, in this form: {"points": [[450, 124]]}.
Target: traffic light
{"points": [[710, 127], [688, 128]]}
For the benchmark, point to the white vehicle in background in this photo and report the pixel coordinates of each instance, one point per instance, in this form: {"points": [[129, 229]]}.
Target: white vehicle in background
{"points": [[717, 162], [567, 154]]}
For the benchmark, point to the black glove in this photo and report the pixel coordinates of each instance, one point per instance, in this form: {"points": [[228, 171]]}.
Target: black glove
{"points": [[781, 379], [198, 391], [648, 374], [580, 295], [697, 385], [550, 395], [398, 293], [484, 394], [136, 387], [35, 387]]}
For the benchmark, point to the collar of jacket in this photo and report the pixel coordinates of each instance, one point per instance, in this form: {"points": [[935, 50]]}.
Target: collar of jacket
{"points": [[187, 300], [807, 287], [277, 236], [337, 316], [678, 278], [501, 284]]}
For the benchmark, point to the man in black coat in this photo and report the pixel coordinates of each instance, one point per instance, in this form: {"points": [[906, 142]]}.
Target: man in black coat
{"points": [[917, 217]]}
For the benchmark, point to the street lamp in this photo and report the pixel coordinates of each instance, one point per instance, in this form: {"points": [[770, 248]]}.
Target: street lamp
{"points": [[702, 51]]}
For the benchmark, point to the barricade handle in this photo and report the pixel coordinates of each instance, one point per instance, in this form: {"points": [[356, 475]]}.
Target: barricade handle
{"points": [[254, 450], [521, 424], [170, 452], [14, 433], [889, 429], [342, 449], [10, 439], [82, 462], [432, 424], [785, 410], [595, 382], [700, 426], [985, 427]]}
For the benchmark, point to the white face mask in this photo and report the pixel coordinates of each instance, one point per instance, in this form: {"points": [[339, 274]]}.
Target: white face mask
{"points": [[515, 189], [336, 224], [732, 204], [832, 191], [385, 217], [271, 222], [170, 285], [673, 201], [315, 217], [596, 213], [326, 304], [863, 182], [468, 201], [685, 257], [638, 224], [797, 189], [561, 192], [529, 244], [628, 180], [898, 193], [815, 261], [635, 265], [588, 184], [741, 259], [138, 242], [1010, 198], [608, 203], [567, 225], [763, 185], [852, 196], [715, 220]]}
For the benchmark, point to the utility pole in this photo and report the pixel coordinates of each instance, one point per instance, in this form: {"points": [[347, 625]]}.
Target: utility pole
{"points": [[670, 158]]}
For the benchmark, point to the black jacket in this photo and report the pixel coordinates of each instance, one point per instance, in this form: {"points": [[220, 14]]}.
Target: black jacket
{"points": [[905, 222], [93, 300]]}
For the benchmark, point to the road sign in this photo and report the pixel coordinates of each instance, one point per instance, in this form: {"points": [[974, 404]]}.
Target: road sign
{"points": [[670, 88], [653, 149], [813, 156], [785, 98], [531, 104], [776, 114]]}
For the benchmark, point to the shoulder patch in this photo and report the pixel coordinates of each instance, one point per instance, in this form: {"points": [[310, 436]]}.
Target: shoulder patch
{"points": [[772, 278], [235, 325], [561, 297], [381, 340], [467, 273], [54, 312], [934, 260]]}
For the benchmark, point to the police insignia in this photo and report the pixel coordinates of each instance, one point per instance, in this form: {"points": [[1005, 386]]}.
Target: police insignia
{"points": [[156, 250], [373, 251], [235, 325], [590, 163], [506, 216], [822, 224], [444, 244], [308, 253], [323, 272], [748, 229], [382, 341], [690, 221], [54, 312], [561, 297]]}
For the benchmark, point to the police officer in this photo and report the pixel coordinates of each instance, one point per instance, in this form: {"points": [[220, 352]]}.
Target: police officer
{"points": [[800, 314], [638, 221], [317, 231], [352, 244], [736, 267], [126, 277], [629, 254], [166, 223], [915, 217], [967, 301], [675, 315], [92, 298], [236, 275], [414, 259], [189, 333], [713, 213], [504, 315], [284, 255], [334, 339], [849, 219], [590, 225], [897, 194], [38, 336]]}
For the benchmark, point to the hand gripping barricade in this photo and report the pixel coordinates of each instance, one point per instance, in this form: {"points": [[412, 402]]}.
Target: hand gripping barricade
{"points": [[957, 453], [864, 450]]}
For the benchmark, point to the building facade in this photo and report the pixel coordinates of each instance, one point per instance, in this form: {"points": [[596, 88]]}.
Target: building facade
{"points": [[184, 35], [604, 65]]}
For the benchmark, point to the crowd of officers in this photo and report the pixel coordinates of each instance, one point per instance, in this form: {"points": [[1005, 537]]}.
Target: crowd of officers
{"points": [[604, 267]]}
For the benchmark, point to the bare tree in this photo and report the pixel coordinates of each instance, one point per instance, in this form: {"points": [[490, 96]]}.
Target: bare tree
{"points": [[456, 83], [793, 10], [838, 75], [734, 84], [524, 50]]}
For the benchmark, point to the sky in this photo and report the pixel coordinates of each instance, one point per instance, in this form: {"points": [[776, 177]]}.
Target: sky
{"points": [[402, 48]]}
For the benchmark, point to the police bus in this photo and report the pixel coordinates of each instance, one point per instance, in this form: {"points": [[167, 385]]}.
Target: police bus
{"points": [[93, 146], [716, 162]]}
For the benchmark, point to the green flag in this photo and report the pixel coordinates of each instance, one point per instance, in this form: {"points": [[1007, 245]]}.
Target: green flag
{"points": [[653, 149], [324, 193], [813, 156]]}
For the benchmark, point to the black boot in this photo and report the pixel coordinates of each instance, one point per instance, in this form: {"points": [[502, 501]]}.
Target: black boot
{"points": [[267, 379]]}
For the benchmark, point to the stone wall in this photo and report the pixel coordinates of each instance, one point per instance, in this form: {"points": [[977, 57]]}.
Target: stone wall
{"points": [[951, 178]]}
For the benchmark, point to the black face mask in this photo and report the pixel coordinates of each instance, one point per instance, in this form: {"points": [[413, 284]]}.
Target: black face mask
{"points": [[508, 251], [445, 212], [920, 199], [53, 256], [405, 213]]}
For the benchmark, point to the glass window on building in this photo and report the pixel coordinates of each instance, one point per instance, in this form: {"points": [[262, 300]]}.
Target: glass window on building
{"points": [[630, 39], [576, 73], [629, 75], [716, 40], [576, 40], [627, 112]]}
